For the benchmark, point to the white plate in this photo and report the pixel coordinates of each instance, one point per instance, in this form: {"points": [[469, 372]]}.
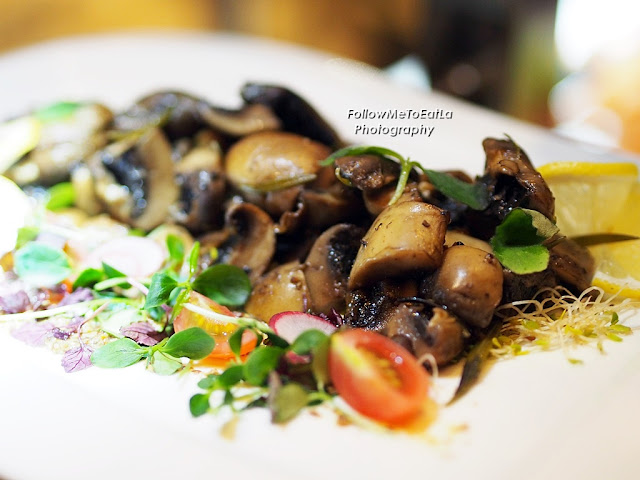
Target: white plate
{"points": [[531, 418]]}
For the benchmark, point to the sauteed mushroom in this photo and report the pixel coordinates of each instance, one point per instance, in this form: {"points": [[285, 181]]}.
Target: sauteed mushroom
{"points": [[407, 237], [328, 266], [296, 115], [182, 115], [63, 143], [282, 289], [468, 284], [273, 161], [134, 179]]}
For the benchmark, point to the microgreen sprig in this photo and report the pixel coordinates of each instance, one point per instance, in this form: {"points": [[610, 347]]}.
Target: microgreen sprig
{"points": [[472, 194]]}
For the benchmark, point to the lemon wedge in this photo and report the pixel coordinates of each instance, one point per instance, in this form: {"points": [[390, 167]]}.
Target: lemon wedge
{"points": [[17, 137], [601, 198]]}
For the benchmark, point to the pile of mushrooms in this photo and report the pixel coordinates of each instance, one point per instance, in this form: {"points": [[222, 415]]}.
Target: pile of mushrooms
{"points": [[249, 185]]}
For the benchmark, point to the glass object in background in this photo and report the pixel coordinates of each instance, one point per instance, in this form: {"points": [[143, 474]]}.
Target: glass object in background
{"points": [[598, 47]]}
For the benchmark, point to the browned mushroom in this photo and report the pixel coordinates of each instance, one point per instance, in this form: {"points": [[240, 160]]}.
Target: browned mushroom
{"points": [[407, 237], [572, 264], [328, 266], [182, 115], [62, 145], [273, 161], [248, 240], [134, 179], [468, 284], [282, 289]]}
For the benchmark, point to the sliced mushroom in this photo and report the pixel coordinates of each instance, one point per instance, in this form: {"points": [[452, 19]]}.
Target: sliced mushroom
{"points": [[367, 172], [328, 266], [273, 161], [512, 180], [202, 189], [435, 332], [62, 145], [182, 115], [407, 237], [134, 179], [296, 115], [573, 265], [282, 289], [468, 284], [248, 240]]}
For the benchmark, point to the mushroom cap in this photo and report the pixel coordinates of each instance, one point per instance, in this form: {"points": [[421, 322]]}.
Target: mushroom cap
{"points": [[405, 238], [469, 284], [272, 160]]}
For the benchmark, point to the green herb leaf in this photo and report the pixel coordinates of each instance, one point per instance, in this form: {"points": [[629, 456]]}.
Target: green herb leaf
{"points": [[260, 363], [199, 404], [193, 259], [164, 365], [475, 195], [320, 363], [61, 195], [209, 382], [88, 277], [193, 343], [361, 150], [111, 272], [225, 284], [25, 235], [56, 112], [231, 376], [119, 354], [235, 341], [41, 265], [162, 284], [287, 402], [175, 247], [307, 341], [517, 242], [276, 340]]}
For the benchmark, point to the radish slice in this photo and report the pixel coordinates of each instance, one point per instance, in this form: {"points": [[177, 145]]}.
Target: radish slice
{"points": [[289, 325], [137, 257]]}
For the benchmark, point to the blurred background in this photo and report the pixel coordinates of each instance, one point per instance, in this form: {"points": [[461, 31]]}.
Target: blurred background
{"points": [[569, 64]]}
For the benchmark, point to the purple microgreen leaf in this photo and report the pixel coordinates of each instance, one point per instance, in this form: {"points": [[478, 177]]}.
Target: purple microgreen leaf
{"points": [[143, 333], [77, 358], [33, 334], [17, 302], [77, 296]]}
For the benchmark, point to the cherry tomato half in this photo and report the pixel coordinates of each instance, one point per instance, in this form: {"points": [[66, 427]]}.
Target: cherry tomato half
{"points": [[218, 330], [377, 377]]}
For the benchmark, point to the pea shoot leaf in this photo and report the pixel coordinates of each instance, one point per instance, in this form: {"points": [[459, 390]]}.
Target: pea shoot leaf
{"points": [[162, 284], [88, 277], [163, 364], [287, 401], [260, 363], [199, 404], [308, 341], [56, 111], [235, 341], [225, 284], [193, 343], [61, 195], [518, 241], [194, 255], [118, 354], [41, 265], [175, 247]]}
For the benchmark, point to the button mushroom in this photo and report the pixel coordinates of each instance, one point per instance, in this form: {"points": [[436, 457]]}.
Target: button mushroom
{"points": [[273, 161], [328, 266], [469, 284], [407, 237], [282, 289]]}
